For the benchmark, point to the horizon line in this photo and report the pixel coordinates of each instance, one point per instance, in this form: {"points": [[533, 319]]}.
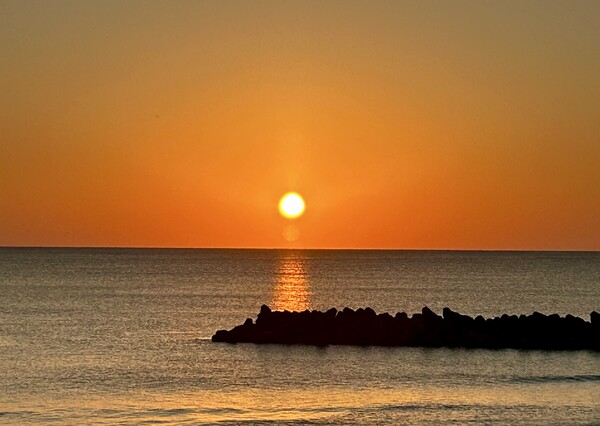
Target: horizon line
{"points": [[301, 248]]}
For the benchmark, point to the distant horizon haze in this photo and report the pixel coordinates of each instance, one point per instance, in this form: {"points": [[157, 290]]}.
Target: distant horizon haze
{"points": [[291, 248]]}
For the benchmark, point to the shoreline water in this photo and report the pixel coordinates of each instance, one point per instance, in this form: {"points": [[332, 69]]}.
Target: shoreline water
{"points": [[97, 336]]}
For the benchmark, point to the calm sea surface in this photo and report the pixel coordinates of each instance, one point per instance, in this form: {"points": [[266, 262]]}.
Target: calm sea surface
{"points": [[122, 337]]}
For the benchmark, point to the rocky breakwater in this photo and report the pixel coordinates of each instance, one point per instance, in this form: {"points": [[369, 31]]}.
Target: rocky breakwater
{"points": [[426, 329]]}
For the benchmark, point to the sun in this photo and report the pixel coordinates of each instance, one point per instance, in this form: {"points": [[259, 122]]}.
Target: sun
{"points": [[291, 205]]}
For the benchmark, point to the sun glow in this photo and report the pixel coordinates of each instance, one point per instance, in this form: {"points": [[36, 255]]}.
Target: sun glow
{"points": [[291, 205]]}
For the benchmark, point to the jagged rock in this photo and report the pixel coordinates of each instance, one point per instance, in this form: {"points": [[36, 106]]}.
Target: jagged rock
{"points": [[429, 315], [366, 327], [331, 312], [401, 316]]}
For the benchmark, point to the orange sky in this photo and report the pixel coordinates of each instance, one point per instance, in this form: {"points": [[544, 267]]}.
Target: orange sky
{"points": [[462, 125]]}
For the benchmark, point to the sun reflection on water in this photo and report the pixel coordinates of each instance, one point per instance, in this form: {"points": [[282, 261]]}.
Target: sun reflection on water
{"points": [[292, 289]]}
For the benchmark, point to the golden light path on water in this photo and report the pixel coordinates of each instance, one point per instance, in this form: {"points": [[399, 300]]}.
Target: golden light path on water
{"points": [[292, 288]]}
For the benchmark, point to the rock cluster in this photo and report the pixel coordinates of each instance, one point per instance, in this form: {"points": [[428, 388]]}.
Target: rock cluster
{"points": [[427, 329]]}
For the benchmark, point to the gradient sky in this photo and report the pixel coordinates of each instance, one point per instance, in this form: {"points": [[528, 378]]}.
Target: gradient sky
{"points": [[421, 124]]}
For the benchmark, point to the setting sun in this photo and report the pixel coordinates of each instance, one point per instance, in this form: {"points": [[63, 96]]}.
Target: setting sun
{"points": [[291, 205]]}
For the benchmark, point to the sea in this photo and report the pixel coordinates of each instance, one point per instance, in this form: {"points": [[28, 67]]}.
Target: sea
{"points": [[122, 336]]}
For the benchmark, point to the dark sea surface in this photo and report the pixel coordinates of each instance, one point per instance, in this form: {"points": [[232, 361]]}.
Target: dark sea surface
{"points": [[122, 336]]}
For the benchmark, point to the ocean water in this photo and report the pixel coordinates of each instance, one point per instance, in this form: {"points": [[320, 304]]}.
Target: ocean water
{"points": [[122, 336]]}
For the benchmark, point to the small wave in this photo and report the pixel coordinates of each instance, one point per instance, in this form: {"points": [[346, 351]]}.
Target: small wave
{"points": [[224, 410], [171, 411], [557, 379], [18, 413], [423, 406]]}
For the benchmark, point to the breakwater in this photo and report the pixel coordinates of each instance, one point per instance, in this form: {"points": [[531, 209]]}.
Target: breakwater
{"points": [[425, 329]]}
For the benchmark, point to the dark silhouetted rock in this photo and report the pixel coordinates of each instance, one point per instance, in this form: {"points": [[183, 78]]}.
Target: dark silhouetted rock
{"points": [[401, 316], [429, 315], [365, 327]]}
